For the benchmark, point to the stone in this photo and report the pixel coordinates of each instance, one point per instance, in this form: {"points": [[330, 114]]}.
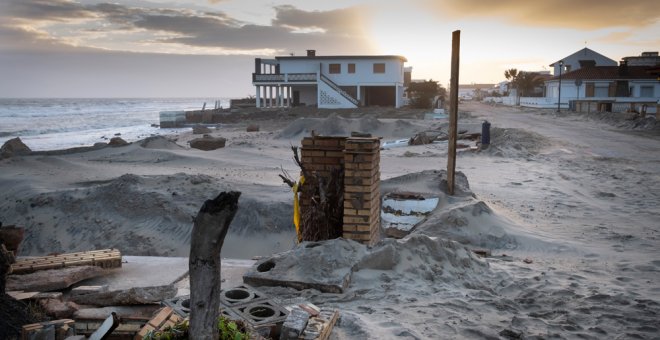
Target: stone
{"points": [[14, 147], [252, 128], [117, 141], [208, 143], [59, 309], [82, 290], [200, 130], [132, 296], [53, 279], [295, 324]]}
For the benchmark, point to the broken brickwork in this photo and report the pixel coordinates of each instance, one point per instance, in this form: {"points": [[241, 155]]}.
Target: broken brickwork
{"points": [[357, 160]]}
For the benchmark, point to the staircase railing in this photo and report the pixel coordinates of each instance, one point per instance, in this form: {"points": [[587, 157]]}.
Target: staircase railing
{"points": [[336, 87]]}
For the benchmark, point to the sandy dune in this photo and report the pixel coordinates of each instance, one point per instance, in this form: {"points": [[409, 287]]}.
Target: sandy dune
{"points": [[577, 196]]}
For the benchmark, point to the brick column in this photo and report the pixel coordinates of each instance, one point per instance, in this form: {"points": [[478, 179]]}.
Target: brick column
{"points": [[362, 189], [321, 156]]}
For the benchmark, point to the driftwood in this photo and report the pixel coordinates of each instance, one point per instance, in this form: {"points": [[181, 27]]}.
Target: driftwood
{"points": [[208, 234]]}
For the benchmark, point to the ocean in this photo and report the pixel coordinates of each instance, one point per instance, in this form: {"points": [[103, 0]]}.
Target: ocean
{"points": [[60, 123]]}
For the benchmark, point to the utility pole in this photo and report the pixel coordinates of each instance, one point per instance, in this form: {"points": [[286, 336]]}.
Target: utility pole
{"points": [[453, 110]]}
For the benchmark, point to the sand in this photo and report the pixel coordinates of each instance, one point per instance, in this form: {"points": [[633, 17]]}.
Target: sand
{"points": [[567, 204]]}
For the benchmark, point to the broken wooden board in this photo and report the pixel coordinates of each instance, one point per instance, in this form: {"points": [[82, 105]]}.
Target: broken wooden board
{"points": [[164, 318], [127, 328], [320, 327], [106, 258], [58, 330]]}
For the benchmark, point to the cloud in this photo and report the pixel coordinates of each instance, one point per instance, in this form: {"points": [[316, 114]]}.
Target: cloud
{"points": [[55, 10], [583, 14], [339, 21], [291, 29]]}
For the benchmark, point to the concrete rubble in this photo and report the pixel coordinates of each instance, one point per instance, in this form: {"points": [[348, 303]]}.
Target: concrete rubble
{"points": [[208, 143], [53, 279], [331, 275]]}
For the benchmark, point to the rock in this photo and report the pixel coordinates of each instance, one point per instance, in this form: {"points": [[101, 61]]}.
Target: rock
{"points": [[53, 279], [14, 147], [208, 143], [252, 128], [117, 141], [59, 309], [82, 290], [200, 130], [132, 296]]}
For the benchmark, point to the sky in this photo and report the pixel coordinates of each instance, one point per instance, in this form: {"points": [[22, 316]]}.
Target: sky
{"points": [[206, 48]]}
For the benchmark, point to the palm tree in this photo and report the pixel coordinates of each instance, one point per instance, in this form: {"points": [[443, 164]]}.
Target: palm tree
{"points": [[511, 74], [526, 82]]}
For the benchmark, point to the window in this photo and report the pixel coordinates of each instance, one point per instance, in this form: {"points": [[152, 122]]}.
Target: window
{"points": [[335, 68], [379, 68], [601, 91], [646, 91], [589, 90], [351, 68]]}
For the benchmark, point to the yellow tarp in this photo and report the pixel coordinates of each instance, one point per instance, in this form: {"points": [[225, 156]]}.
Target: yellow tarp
{"points": [[296, 207]]}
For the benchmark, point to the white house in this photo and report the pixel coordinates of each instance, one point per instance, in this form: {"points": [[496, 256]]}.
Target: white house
{"points": [[607, 89], [582, 58], [330, 81]]}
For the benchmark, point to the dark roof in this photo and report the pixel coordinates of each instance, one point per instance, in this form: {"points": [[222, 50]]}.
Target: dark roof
{"points": [[608, 73], [402, 58]]}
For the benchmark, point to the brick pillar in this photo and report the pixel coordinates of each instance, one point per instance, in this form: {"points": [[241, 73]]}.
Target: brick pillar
{"points": [[362, 189], [320, 155]]}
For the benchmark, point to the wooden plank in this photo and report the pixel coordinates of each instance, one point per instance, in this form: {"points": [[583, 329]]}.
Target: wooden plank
{"points": [[106, 258], [453, 110]]}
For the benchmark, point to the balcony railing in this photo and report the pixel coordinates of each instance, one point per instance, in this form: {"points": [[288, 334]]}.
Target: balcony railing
{"points": [[283, 77]]}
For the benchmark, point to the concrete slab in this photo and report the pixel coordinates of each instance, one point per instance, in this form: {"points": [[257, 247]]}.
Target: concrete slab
{"points": [[142, 271], [325, 266], [231, 272]]}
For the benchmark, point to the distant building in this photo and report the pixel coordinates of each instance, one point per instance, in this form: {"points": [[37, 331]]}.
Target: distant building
{"points": [[471, 91], [645, 59], [607, 89], [582, 58], [331, 81]]}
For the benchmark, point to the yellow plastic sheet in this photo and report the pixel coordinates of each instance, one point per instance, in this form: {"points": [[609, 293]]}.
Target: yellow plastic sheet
{"points": [[296, 207]]}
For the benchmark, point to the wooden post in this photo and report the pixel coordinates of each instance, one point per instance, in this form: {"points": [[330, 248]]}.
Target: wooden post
{"points": [[453, 110], [6, 259], [208, 234]]}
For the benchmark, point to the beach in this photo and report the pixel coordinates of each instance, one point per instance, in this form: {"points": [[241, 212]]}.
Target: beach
{"points": [[567, 205]]}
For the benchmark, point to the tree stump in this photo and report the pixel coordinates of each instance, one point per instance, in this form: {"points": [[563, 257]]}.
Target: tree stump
{"points": [[6, 259], [208, 235]]}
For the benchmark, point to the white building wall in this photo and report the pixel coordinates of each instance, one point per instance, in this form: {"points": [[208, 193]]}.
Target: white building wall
{"points": [[573, 60], [363, 70]]}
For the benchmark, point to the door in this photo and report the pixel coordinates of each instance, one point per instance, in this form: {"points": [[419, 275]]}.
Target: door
{"points": [[296, 98]]}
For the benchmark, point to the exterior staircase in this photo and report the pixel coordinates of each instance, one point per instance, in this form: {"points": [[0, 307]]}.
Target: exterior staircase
{"points": [[339, 91]]}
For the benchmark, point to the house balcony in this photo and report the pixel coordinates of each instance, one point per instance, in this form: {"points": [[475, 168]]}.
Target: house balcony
{"points": [[283, 78]]}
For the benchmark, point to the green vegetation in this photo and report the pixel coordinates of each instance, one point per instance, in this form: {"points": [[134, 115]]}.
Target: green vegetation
{"points": [[422, 93], [525, 82], [229, 330]]}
